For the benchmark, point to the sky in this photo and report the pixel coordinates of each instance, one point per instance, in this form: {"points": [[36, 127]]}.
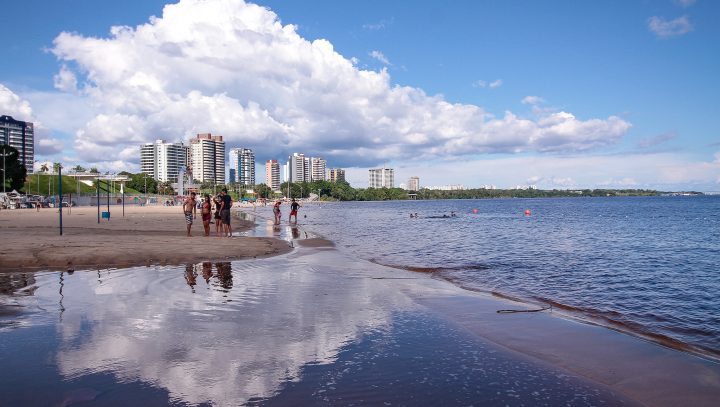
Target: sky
{"points": [[556, 94]]}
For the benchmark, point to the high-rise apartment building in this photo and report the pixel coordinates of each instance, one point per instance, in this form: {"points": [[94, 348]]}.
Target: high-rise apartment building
{"points": [[243, 161], [413, 184], [208, 158], [272, 174], [381, 178], [337, 174], [231, 175], [20, 135], [299, 168], [317, 169], [162, 160]]}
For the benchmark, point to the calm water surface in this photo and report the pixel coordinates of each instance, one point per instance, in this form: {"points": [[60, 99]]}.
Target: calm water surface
{"points": [[649, 265], [286, 331]]}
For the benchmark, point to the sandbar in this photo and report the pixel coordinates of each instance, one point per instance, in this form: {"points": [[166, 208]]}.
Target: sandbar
{"points": [[145, 235]]}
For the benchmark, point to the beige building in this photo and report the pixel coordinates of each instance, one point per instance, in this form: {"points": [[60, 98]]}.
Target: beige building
{"points": [[337, 174], [272, 174], [413, 184], [208, 158], [317, 169]]}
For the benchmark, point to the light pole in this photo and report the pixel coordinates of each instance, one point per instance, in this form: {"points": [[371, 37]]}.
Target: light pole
{"points": [[38, 178], [4, 169]]}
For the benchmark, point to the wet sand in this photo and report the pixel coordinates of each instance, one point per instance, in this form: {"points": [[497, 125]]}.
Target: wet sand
{"points": [[145, 235]]}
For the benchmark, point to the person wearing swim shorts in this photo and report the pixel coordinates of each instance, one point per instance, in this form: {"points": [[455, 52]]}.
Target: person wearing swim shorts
{"points": [[293, 210], [190, 209]]}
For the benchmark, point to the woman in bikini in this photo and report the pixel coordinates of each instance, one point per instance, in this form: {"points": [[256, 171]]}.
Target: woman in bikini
{"points": [[206, 210]]}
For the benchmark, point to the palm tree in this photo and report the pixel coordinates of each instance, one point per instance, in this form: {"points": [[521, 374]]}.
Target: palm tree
{"points": [[44, 168]]}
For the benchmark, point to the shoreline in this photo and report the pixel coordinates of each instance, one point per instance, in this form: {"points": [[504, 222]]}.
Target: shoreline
{"points": [[642, 368], [558, 309], [146, 235], [573, 314]]}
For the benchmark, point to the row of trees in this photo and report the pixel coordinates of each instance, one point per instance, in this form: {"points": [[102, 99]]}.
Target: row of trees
{"points": [[327, 190], [530, 193]]}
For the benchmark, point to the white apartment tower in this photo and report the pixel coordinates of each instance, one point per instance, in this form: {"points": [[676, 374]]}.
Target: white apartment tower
{"points": [[208, 158], [242, 160], [317, 169], [381, 178], [162, 160], [298, 168], [272, 174]]}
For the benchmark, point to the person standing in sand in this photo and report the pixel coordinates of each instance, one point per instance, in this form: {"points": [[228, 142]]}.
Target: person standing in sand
{"points": [[218, 219], [293, 210], [189, 207], [225, 206], [206, 211], [276, 212]]}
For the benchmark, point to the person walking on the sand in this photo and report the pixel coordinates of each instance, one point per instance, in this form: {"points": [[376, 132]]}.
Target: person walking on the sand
{"points": [[189, 207], [293, 210]]}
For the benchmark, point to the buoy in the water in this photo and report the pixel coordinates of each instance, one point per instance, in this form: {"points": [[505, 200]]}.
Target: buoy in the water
{"points": [[527, 212], [475, 211]]}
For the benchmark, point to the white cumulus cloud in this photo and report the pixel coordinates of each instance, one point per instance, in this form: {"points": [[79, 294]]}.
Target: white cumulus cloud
{"points": [[65, 80], [19, 108], [13, 105], [232, 68], [673, 28]]}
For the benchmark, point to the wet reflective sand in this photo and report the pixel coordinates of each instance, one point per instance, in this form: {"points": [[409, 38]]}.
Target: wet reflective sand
{"points": [[314, 327]]}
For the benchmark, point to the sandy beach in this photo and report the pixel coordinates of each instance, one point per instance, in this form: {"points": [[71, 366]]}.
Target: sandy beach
{"points": [[145, 235]]}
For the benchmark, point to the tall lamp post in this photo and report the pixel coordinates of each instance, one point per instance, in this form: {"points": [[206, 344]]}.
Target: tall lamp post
{"points": [[4, 169], [38, 177]]}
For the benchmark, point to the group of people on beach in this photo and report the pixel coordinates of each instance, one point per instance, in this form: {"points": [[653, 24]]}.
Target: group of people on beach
{"points": [[217, 208], [294, 205]]}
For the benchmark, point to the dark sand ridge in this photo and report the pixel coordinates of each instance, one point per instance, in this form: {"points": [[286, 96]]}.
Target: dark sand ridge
{"points": [[645, 371], [145, 235]]}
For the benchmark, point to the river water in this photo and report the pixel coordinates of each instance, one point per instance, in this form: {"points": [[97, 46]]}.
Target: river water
{"points": [[648, 265]]}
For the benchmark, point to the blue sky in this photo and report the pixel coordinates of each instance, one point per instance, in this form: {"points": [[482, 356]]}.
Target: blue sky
{"points": [[622, 92]]}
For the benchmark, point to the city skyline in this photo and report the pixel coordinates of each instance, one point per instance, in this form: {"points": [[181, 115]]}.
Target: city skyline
{"points": [[494, 93]]}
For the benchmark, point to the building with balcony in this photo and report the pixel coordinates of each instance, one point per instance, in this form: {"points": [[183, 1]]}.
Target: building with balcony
{"points": [[381, 178], [20, 135]]}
